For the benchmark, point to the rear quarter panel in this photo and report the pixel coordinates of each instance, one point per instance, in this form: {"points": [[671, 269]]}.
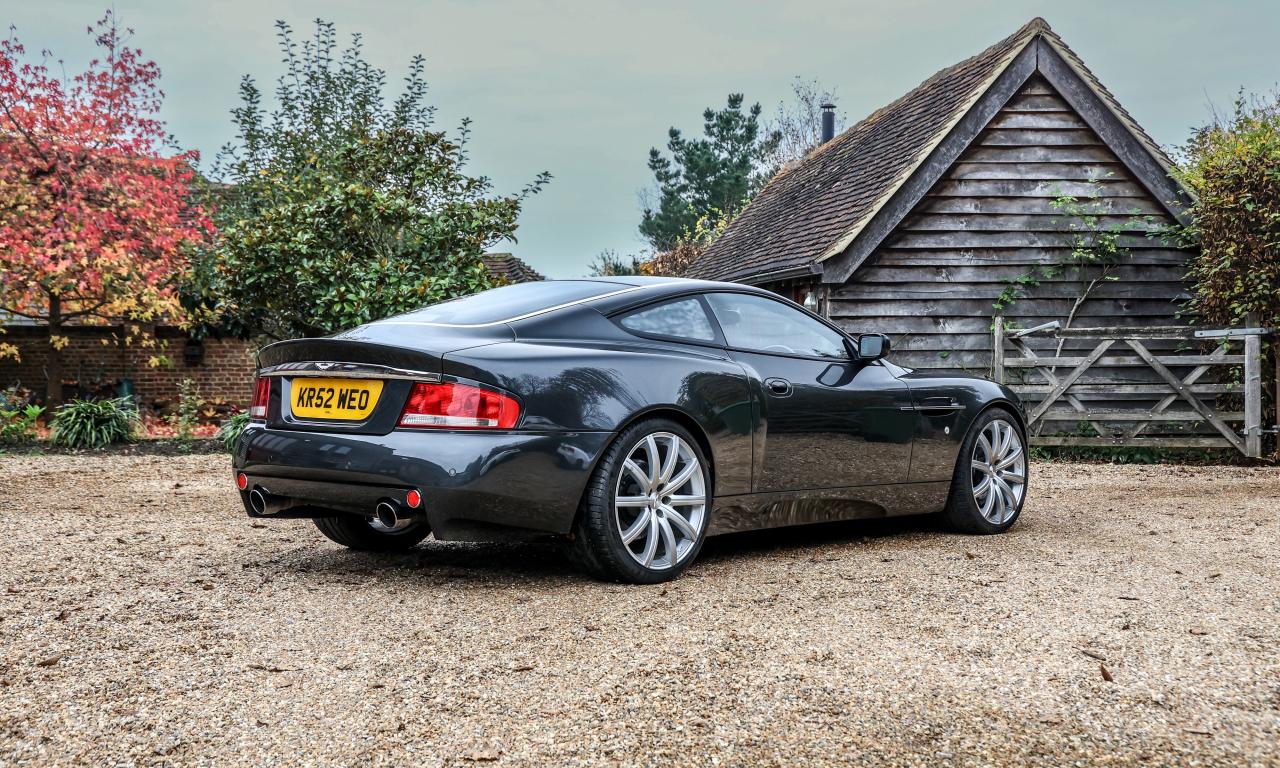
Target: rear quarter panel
{"points": [[572, 386]]}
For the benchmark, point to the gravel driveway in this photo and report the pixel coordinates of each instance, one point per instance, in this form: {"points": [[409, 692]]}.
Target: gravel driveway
{"points": [[1130, 618]]}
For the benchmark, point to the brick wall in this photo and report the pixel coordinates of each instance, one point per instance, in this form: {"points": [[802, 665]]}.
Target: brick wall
{"points": [[94, 359]]}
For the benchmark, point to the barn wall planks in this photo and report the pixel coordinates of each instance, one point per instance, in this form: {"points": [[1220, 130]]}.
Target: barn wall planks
{"points": [[931, 284]]}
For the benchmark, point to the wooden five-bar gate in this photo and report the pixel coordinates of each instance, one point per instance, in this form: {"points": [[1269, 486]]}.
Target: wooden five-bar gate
{"points": [[1166, 386]]}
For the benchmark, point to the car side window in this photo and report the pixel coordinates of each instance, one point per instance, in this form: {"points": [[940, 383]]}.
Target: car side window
{"points": [[681, 319], [759, 324]]}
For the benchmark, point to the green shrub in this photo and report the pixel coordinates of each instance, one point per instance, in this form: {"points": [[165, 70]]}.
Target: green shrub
{"points": [[18, 424], [189, 404], [1233, 164], [95, 423], [229, 432]]}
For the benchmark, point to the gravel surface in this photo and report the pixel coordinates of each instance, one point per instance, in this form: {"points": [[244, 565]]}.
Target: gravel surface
{"points": [[1130, 618]]}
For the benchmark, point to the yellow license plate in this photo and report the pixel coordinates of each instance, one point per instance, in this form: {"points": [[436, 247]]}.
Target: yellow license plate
{"points": [[338, 399]]}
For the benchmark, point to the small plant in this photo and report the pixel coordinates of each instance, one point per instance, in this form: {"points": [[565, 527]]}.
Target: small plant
{"points": [[95, 424], [18, 424], [189, 406], [1097, 249], [229, 432]]}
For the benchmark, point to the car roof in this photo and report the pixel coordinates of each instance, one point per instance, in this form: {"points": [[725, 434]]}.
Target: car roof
{"points": [[648, 289], [523, 301], [656, 280]]}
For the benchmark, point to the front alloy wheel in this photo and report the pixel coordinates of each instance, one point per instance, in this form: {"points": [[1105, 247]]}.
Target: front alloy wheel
{"points": [[999, 472], [990, 481]]}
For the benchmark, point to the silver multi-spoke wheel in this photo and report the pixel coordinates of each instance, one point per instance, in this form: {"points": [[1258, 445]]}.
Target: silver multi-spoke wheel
{"points": [[999, 471], [660, 503]]}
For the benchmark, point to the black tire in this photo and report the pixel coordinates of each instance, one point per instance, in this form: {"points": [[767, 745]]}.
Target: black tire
{"points": [[597, 544], [963, 512], [357, 532]]}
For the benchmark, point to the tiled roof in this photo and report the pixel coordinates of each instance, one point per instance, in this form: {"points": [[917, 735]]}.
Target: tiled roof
{"points": [[815, 209], [505, 266]]}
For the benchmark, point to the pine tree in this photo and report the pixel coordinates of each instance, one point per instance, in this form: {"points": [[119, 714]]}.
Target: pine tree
{"points": [[710, 176]]}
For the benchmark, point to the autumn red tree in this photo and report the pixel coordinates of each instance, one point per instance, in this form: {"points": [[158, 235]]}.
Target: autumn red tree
{"points": [[96, 211]]}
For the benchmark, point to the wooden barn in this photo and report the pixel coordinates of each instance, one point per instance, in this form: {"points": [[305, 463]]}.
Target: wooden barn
{"points": [[916, 220], [1001, 195]]}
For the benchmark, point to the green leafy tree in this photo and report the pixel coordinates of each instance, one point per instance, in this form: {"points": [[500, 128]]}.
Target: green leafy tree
{"points": [[1233, 165], [712, 175], [342, 208]]}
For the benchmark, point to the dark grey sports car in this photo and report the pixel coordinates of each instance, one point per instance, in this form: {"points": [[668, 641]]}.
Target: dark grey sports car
{"points": [[630, 417]]}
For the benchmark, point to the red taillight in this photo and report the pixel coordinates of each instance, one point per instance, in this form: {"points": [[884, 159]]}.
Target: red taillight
{"points": [[261, 393], [242, 481], [459, 406], [413, 499]]}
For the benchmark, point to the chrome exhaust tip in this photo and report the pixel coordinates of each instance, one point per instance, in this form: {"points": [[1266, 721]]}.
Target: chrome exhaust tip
{"points": [[387, 514], [265, 503], [392, 516]]}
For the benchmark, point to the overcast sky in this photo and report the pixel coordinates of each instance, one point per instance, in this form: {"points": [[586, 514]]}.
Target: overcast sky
{"points": [[582, 89]]}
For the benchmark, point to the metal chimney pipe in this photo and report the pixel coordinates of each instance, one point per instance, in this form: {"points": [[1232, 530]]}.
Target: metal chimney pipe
{"points": [[828, 122]]}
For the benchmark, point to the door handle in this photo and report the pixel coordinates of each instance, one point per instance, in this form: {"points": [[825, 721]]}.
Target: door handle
{"points": [[778, 387]]}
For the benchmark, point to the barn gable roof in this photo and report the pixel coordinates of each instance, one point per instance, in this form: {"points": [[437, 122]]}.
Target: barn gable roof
{"points": [[826, 214]]}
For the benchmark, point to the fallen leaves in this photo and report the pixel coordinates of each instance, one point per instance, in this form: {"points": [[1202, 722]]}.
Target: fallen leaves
{"points": [[486, 755]]}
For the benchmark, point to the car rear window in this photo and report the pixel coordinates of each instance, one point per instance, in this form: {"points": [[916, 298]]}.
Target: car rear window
{"points": [[509, 302], [681, 319]]}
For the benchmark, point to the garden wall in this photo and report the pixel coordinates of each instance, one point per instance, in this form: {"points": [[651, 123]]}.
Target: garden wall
{"points": [[96, 363]]}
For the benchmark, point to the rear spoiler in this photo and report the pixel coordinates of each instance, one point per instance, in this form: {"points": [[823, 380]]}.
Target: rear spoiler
{"points": [[347, 351]]}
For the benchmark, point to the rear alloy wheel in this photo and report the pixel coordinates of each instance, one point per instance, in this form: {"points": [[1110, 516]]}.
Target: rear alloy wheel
{"points": [[368, 534], [644, 516], [990, 481]]}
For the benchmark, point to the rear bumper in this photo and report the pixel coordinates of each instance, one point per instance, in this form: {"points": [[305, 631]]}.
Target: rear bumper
{"points": [[475, 485]]}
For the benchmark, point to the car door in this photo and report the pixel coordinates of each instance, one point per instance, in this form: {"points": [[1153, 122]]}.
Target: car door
{"points": [[826, 421]]}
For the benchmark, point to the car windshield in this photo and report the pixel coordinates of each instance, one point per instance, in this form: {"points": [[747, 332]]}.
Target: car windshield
{"points": [[509, 302]]}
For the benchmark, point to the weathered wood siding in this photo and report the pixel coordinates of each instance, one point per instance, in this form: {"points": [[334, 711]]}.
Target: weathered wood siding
{"points": [[932, 283]]}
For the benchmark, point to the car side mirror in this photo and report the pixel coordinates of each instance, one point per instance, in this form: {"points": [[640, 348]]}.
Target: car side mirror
{"points": [[872, 346]]}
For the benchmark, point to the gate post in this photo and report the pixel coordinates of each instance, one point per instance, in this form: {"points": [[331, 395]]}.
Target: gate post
{"points": [[997, 349], [1252, 392]]}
